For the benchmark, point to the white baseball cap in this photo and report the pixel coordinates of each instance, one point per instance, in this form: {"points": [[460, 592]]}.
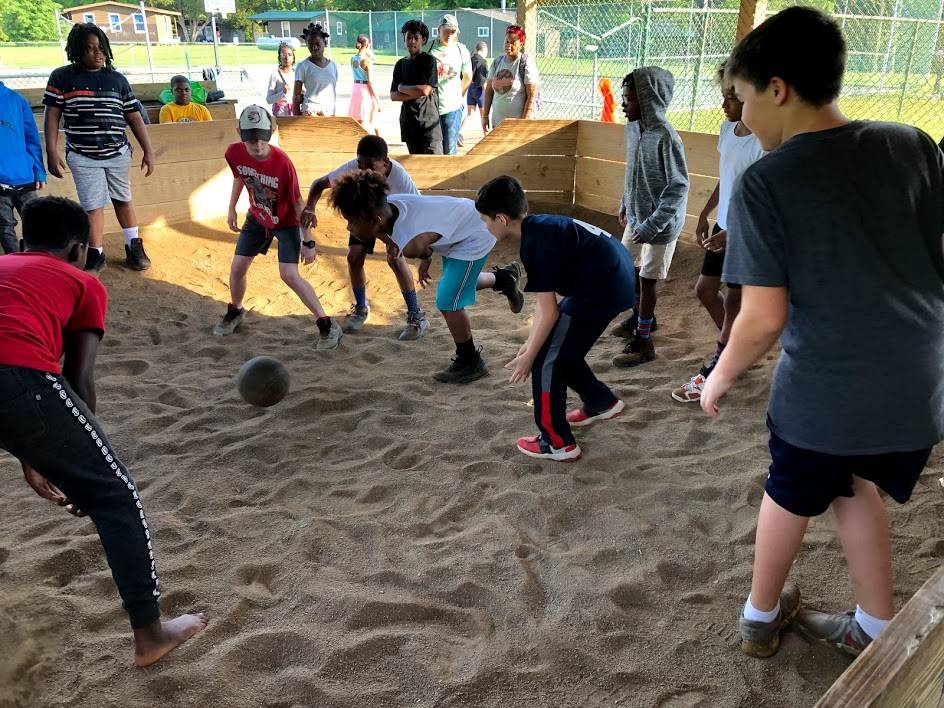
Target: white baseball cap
{"points": [[255, 123], [449, 22]]}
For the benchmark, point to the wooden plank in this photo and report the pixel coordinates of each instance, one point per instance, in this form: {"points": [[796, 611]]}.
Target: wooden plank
{"points": [[530, 137], [602, 177], [305, 134], [607, 141], [550, 174], [143, 92], [526, 15], [904, 666]]}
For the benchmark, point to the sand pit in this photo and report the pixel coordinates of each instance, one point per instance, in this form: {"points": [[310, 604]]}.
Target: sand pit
{"points": [[375, 540]]}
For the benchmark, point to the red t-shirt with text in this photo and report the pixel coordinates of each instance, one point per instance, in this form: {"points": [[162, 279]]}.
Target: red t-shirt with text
{"points": [[272, 185], [41, 299]]}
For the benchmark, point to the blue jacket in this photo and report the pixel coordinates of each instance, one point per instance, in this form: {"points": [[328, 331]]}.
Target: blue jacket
{"points": [[22, 152]]}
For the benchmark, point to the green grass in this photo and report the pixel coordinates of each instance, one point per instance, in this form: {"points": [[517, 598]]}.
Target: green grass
{"points": [[134, 56]]}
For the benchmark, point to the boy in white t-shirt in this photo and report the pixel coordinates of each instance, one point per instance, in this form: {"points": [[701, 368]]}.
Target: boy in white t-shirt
{"points": [[414, 226], [371, 155], [739, 149], [316, 78]]}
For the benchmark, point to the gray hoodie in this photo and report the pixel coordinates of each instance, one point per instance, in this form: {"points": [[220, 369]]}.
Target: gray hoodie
{"points": [[656, 190]]}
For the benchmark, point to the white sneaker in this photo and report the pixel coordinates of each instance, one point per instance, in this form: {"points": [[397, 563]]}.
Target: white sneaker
{"points": [[690, 392], [330, 339]]}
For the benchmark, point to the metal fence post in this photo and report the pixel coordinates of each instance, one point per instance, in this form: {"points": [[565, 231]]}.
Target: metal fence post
{"points": [[147, 39], [646, 26], [904, 86], [396, 36], [699, 62], [62, 46], [370, 27]]}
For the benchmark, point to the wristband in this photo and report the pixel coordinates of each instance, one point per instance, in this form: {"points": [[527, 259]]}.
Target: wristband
{"points": [[309, 244]]}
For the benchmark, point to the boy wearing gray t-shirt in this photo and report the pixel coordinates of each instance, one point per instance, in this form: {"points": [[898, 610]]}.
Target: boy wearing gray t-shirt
{"points": [[836, 238]]}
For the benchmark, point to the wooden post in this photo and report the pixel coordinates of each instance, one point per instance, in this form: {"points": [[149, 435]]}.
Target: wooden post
{"points": [[527, 18], [905, 665], [750, 14]]}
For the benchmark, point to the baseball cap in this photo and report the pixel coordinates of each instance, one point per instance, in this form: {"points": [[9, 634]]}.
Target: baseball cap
{"points": [[449, 21], [255, 123]]}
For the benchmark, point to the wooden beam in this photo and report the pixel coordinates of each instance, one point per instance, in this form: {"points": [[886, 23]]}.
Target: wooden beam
{"points": [[750, 14], [905, 665], [530, 137], [527, 18], [547, 174], [142, 92]]}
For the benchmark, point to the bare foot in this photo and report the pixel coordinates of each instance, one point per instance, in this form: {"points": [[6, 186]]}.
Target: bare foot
{"points": [[155, 640]]}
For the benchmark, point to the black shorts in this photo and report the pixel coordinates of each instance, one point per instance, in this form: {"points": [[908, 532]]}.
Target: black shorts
{"points": [[805, 482], [713, 265], [367, 244], [254, 240]]}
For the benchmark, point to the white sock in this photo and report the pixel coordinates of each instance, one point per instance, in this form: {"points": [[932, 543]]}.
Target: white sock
{"points": [[130, 233], [100, 249], [872, 626], [754, 615]]}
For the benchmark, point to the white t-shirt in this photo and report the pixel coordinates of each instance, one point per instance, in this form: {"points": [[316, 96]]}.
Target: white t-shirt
{"points": [[464, 236], [320, 87], [398, 180], [737, 154]]}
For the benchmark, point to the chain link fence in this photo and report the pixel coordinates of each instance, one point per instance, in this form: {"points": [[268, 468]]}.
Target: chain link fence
{"points": [[895, 66]]}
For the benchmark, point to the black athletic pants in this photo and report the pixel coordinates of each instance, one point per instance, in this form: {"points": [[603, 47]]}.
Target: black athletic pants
{"points": [[45, 425], [561, 364]]}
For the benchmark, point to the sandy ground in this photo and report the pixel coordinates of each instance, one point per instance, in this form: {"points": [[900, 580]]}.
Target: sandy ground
{"points": [[375, 539]]}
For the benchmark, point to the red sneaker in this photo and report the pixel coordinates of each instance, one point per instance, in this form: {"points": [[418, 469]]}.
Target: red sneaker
{"points": [[534, 446], [578, 417]]}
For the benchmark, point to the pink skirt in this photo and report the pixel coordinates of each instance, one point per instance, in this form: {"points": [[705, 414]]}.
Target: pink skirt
{"points": [[363, 106], [282, 108]]}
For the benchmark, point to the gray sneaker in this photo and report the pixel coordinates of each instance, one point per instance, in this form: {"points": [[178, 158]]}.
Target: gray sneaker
{"points": [[229, 322], [356, 319], [416, 326], [835, 630], [330, 339], [762, 639]]}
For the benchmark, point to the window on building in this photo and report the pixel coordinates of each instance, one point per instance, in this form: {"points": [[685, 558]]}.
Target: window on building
{"points": [[286, 28], [340, 29], [138, 22], [114, 23], [435, 31], [89, 18], [483, 31]]}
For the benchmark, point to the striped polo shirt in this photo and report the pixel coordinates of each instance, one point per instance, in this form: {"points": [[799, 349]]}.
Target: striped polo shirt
{"points": [[94, 105]]}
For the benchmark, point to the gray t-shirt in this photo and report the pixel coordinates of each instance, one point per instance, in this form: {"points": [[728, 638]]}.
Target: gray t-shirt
{"points": [[850, 222]]}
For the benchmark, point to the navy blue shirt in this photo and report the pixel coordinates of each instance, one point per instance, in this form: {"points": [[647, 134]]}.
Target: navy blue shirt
{"points": [[94, 105], [580, 262]]}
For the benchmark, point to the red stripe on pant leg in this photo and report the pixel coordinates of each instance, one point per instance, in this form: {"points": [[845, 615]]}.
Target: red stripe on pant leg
{"points": [[556, 440]]}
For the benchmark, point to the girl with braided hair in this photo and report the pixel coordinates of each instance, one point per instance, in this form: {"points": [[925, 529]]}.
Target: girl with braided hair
{"points": [[316, 77]]}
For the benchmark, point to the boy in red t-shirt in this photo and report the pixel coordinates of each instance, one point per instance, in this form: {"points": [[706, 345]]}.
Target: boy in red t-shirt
{"points": [[47, 419], [275, 205]]}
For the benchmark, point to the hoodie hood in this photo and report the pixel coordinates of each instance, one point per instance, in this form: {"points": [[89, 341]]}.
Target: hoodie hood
{"points": [[654, 87]]}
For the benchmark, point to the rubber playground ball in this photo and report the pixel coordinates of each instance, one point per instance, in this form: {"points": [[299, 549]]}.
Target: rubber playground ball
{"points": [[263, 381]]}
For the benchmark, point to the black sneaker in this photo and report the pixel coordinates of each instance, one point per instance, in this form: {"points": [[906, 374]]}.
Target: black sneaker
{"points": [[135, 257], [507, 278], [637, 351], [95, 261], [229, 322], [463, 371]]}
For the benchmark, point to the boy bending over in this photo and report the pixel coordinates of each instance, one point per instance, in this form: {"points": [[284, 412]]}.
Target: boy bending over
{"points": [[419, 227], [594, 275], [836, 239], [49, 307], [371, 155]]}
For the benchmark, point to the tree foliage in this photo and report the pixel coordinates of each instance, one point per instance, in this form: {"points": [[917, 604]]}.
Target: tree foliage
{"points": [[28, 20]]}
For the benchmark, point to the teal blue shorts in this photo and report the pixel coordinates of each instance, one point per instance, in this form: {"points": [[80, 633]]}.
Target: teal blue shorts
{"points": [[456, 288]]}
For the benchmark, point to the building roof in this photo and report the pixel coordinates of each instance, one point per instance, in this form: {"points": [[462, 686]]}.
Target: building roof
{"points": [[274, 15], [506, 16], [91, 6]]}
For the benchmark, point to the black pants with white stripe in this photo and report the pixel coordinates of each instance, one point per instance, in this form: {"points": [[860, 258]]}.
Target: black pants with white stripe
{"points": [[44, 424], [561, 364]]}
